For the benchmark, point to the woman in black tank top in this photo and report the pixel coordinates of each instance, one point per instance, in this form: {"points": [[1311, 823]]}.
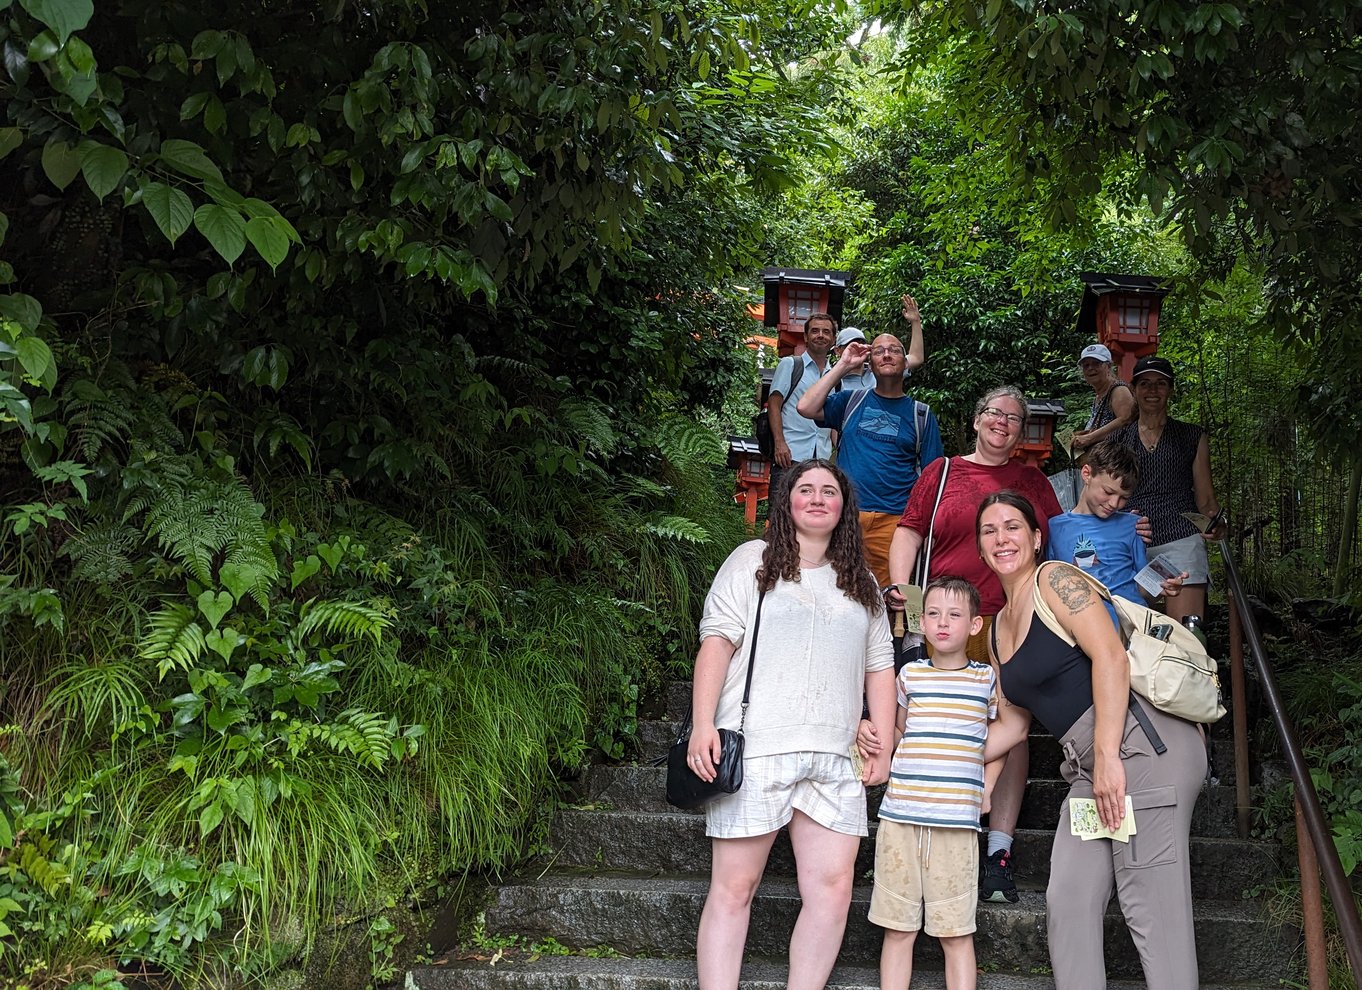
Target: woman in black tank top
{"points": [[1081, 693]]}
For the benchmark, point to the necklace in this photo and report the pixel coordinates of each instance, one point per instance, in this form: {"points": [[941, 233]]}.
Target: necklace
{"points": [[813, 563], [1148, 432]]}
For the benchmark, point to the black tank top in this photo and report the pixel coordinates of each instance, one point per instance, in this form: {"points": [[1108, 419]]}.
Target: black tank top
{"points": [[1047, 676]]}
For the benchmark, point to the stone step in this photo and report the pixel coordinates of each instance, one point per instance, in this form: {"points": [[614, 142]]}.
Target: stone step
{"points": [[643, 788], [658, 917], [581, 973], [657, 843]]}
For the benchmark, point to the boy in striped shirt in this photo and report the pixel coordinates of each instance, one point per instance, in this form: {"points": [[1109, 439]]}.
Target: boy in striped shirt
{"points": [[927, 849]]}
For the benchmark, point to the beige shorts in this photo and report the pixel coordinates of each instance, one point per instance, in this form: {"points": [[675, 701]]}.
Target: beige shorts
{"points": [[915, 866], [822, 785]]}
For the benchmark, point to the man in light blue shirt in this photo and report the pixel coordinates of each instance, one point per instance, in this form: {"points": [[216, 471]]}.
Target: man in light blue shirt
{"points": [[796, 437]]}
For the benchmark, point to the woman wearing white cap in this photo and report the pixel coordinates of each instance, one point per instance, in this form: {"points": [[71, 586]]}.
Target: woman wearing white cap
{"points": [[1112, 406]]}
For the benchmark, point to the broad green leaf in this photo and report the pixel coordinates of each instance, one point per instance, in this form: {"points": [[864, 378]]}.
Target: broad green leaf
{"points": [[215, 116], [4, 227], [10, 138], [255, 674], [103, 167], [222, 641], [239, 579], [224, 228], [304, 569], [61, 163], [62, 16], [214, 606], [193, 105], [189, 158], [169, 207], [43, 47], [80, 56], [35, 357], [210, 818], [268, 239], [22, 309]]}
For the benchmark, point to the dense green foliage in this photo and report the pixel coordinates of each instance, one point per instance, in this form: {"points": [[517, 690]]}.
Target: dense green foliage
{"points": [[352, 358]]}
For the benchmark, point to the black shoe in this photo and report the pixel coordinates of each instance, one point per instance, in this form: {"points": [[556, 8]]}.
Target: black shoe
{"points": [[997, 884]]}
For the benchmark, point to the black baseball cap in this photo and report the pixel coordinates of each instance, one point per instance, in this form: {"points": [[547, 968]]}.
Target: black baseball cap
{"points": [[1154, 365]]}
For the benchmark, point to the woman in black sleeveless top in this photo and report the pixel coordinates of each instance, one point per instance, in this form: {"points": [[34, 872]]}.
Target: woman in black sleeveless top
{"points": [[1081, 694]]}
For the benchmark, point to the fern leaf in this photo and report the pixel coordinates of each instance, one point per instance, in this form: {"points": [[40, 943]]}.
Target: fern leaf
{"points": [[347, 619], [688, 445], [677, 528], [175, 639], [590, 424]]}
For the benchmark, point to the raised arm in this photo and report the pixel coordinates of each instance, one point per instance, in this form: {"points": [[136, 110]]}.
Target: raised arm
{"points": [[917, 351], [811, 403], [1122, 407], [1080, 612]]}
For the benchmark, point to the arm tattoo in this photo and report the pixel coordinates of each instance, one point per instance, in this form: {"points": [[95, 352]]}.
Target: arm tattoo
{"points": [[1072, 589]]}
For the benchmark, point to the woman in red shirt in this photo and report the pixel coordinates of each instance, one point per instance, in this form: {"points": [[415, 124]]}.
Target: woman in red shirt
{"points": [[999, 421]]}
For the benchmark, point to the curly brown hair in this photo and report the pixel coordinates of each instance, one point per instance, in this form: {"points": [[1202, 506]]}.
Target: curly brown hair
{"points": [[846, 551]]}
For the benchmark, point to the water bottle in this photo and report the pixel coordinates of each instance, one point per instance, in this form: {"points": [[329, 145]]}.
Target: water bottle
{"points": [[1194, 623]]}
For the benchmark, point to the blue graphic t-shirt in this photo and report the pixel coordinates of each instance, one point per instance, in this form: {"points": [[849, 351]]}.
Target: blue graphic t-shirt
{"points": [[1108, 549], [878, 449]]}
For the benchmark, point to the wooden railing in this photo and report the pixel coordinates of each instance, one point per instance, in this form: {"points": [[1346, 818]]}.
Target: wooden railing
{"points": [[1315, 845]]}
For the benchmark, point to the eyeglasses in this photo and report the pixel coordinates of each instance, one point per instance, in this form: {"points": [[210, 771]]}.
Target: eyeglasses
{"points": [[1012, 419], [877, 351]]}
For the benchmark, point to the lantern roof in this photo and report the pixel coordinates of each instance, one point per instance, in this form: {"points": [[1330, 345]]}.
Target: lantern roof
{"points": [[834, 281], [1098, 284], [1045, 407]]}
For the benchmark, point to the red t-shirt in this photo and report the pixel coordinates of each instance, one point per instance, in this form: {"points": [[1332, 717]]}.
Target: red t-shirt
{"points": [[955, 548]]}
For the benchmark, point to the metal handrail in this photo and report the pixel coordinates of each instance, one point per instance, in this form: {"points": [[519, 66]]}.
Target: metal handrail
{"points": [[1312, 829]]}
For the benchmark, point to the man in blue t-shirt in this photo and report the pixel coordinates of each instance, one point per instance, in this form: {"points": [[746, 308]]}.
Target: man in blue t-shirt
{"points": [[1097, 536], [887, 438]]}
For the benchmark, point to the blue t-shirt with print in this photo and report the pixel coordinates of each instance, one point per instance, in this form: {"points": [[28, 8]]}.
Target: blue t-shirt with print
{"points": [[878, 448], [1108, 549]]}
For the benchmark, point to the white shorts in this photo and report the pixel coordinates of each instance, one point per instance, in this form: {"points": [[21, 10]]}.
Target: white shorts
{"points": [[822, 785], [1187, 554]]}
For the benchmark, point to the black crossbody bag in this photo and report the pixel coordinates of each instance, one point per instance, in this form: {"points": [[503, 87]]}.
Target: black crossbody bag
{"points": [[684, 788]]}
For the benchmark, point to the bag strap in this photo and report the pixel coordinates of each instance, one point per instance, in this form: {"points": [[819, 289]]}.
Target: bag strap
{"points": [[796, 376], [924, 559], [856, 401], [751, 661], [920, 412]]}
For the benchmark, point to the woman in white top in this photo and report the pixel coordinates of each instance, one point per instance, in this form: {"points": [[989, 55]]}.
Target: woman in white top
{"points": [[823, 644]]}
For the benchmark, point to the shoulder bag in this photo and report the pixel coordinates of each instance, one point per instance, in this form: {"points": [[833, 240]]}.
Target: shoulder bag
{"points": [[684, 788], [1169, 667]]}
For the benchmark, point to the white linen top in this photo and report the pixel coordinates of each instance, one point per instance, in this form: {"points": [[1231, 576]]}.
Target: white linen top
{"points": [[814, 649]]}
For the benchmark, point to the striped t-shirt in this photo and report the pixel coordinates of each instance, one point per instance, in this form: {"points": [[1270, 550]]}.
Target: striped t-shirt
{"points": [[937, 777]]}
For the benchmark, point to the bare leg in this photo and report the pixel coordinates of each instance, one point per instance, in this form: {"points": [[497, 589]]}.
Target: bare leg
{"points": [[896, 960], [1010, 789], [1192, 601], [826, 863], [735, 870], [961, 971]]}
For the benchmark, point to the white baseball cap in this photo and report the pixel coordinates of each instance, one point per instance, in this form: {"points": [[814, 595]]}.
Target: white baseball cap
{"points": [[1098, 351], [850, 334]]}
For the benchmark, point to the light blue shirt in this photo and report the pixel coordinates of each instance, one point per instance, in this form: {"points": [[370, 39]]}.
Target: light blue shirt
{"points": [[802, 435]]}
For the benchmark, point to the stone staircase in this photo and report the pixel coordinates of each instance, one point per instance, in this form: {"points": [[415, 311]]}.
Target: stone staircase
{"points": [[628, 876]]}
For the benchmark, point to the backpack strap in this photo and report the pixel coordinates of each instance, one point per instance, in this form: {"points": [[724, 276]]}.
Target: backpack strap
{"points": [[920, 412], [796, 374], [857, 399]]}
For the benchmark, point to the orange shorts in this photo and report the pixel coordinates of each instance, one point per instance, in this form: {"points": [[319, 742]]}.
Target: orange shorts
{"points": [[877, 532]]}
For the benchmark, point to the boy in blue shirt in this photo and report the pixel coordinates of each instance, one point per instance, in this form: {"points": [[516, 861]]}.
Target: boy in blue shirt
{"points": [[1097, 536]]}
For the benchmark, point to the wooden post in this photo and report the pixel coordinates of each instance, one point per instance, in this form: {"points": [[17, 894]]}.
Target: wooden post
{"points": [[1241, 755], [1312, 908]]}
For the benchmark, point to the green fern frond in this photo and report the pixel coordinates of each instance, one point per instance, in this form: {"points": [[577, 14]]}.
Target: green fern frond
{"points": [[347, 619], [688, 445], [174, 640], [376, 731], [588, 422], [102, 554], [633, 485], [99, 418], [197, 521], [99, 695], [677, 528]]}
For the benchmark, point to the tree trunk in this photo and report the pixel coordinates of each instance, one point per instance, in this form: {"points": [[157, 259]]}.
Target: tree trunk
{"points": [[1343, 565]]}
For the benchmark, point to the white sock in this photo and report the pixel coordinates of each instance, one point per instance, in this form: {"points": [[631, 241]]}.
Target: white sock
{"points": [[999, 842]]}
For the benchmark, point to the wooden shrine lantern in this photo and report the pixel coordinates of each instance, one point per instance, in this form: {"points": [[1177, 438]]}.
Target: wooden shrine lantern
{"points": [[1038, 436], [1122, 312], [754, 474], [793, 294]]}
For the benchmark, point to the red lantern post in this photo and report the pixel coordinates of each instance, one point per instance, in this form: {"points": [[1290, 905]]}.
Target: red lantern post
{"points": [[1122, 312]]}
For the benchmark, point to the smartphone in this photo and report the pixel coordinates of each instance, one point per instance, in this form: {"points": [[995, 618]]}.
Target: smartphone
{"points": [[1162, 631]]}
